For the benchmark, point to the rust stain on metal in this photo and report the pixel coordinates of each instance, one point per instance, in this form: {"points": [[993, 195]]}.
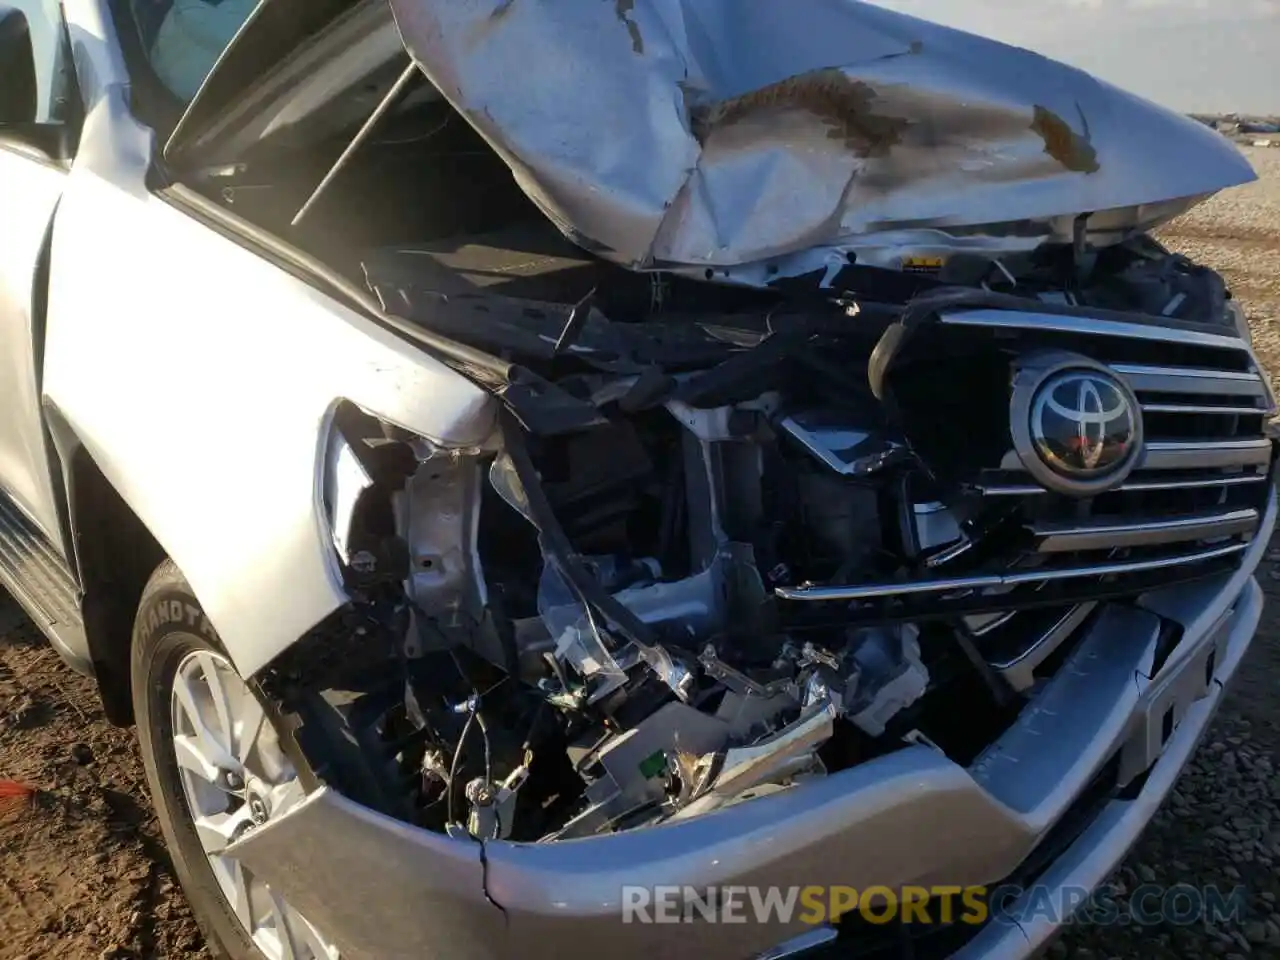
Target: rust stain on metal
{"points": [[1069, 148], [624, 9], [845, 105]]}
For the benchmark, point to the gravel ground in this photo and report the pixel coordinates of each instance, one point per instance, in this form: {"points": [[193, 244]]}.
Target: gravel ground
{"points": [[83, 873], [1238, 233]]}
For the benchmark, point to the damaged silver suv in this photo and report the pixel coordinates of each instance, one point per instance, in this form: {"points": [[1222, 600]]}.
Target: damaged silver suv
{"points": [[505, 454]]}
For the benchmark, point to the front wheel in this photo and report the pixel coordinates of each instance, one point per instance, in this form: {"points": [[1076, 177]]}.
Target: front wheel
{"points": [[216, 767]]}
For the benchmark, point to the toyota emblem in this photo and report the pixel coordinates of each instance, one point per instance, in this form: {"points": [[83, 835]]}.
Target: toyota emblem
{"points": [[1076, 426]]}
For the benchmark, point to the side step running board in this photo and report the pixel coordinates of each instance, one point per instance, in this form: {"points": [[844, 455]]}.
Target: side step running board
{"points": [[39, 580]]}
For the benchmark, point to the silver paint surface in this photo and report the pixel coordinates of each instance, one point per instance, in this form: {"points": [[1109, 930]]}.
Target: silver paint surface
{"points": [[774, 138], [171, 347]]}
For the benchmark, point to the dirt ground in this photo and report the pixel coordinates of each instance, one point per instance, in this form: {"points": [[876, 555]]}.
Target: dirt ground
{"points": [[83, 872]]}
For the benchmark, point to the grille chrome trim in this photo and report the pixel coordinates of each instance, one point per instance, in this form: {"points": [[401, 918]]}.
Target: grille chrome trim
{"points": [[1065, 537], [1190, 380], [1089, 326], [1184, 455], [1132, 486], [1203, 408], [1188, 455], [869, 591]]}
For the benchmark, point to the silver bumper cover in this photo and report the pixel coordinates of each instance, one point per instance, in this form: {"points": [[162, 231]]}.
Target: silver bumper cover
{"points": [[383, 889], [1093, 856]]}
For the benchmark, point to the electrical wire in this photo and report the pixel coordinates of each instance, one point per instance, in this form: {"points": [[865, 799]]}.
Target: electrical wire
{"points": [[477, 717], [453, 767], [484, 733]]}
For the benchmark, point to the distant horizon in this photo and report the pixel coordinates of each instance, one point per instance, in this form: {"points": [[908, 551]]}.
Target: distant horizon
{"points": [[1193, 56], [1242, 115]]}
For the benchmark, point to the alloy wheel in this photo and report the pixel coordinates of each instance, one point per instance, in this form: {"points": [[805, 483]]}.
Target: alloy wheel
{"points": [[235, 777]]}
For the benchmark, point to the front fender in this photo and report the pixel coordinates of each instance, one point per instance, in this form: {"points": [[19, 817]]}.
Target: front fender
{"points": [[199, 376]]}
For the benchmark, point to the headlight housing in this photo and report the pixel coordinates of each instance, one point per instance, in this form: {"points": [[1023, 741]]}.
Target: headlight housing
{"points": [[365, 464]]}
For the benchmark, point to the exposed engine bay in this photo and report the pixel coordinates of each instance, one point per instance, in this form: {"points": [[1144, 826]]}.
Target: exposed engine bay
{"points": [[769, 496], [600, 619]]}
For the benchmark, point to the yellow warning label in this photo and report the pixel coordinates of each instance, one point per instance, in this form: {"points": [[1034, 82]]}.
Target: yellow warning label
{"points": [[923, 264]]}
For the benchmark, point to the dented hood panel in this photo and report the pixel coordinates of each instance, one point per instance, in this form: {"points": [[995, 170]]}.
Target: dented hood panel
{"points": [[718, 133]]}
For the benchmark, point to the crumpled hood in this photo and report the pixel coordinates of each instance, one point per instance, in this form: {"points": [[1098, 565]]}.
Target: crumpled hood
{"points": [[767, 136]]}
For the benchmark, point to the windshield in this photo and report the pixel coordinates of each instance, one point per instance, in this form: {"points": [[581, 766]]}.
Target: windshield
{"points": [[183, 39]]}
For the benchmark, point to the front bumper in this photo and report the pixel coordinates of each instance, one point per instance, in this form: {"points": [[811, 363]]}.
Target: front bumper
{"points": [[383, 889]]}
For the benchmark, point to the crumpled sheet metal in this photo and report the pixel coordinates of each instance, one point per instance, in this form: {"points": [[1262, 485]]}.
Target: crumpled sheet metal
{"points": [[768, 134]]}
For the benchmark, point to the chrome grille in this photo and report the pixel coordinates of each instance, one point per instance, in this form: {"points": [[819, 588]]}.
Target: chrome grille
{"points": [[1189, 508], [1200, 482]]}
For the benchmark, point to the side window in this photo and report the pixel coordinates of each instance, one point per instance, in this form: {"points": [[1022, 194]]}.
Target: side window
{"points": [[55, 84], [183, 39]]}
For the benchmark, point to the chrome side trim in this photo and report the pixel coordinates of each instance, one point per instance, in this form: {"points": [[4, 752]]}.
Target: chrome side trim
{"points": [[1188, 455], [1134, 486], [867, 591], [1063, 537], [1091, 326], [1191, 380]]}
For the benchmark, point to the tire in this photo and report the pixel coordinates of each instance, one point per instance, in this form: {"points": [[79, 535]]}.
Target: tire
{"points": [[170, 633]]}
